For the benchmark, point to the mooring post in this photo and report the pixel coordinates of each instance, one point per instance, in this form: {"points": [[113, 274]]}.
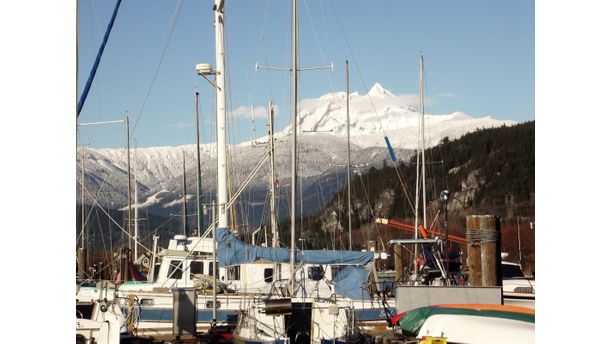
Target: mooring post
{"points": [[489, 252], [81, 264], [399, 263], [473, 247], [484, 260]]}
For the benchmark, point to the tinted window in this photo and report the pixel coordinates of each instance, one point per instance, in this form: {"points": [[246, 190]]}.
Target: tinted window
{"points": [[234, 273], [268, 275], [197, 268], [510, 271], [175, 270]]}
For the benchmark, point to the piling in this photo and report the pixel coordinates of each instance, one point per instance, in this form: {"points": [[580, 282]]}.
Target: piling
{"points": [[399, 262], [124, 264], [484, 260], [82, 262]]}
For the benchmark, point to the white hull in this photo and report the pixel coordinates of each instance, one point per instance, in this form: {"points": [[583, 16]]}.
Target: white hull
{"points": [[478, 329]]}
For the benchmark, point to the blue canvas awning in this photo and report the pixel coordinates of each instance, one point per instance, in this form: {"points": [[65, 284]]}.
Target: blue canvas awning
{"points": [[352, 282], [231, 251]]}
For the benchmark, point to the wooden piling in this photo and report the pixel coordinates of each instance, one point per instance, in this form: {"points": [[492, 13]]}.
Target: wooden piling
{"points": [[484, 260], [82, 263], [399, 263], [473, 247], [489, 252]]}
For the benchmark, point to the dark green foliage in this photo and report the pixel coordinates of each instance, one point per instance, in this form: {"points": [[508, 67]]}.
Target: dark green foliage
{"points": [[504, 158]]}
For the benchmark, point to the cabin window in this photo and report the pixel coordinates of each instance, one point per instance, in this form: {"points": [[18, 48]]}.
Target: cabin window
{"points": [[233, 273], [210, 269], [316, 273], [175, 270], [268, 275], [197, 268], [84, 311]]}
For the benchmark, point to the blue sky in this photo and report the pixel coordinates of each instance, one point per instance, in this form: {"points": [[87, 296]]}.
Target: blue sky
{"points": [[479, 59]]}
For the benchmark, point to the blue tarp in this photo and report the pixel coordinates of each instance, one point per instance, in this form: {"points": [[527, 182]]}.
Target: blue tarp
{"points": [[231, 251], [352, 282]]}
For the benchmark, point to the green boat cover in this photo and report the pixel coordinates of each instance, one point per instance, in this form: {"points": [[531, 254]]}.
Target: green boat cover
{"points": [[412, 321]]}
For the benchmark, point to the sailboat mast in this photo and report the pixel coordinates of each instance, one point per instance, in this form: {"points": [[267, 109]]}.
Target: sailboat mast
{"points": [[83, 241], [135, 215], [129, 173], [348, 164], [422, 101], [184, 198], [416, 206], [199, 188], [222, 194], [273, 223], [294, 82]]}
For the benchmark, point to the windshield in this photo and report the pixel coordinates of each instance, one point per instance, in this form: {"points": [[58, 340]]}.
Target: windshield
{"points": [[511, 271]]}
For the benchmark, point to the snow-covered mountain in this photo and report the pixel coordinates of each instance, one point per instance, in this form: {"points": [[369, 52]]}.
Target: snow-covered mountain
{"points": [[322, 155], [380, 113]]}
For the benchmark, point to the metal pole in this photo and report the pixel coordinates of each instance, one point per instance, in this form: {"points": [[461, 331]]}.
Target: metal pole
{"points": [[199, 189], [151, 273], [222, 194], [214, 312], [83, 241], [518, 230], [184, 198], [273, 224], [294, 83], [348, 148], [446, 194], [129, 173], [422, 96], [135, 219]]}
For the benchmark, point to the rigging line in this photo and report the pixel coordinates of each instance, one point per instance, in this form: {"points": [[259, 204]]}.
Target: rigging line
{"points": [[357, 65], [359, 73], [92, 73], [101, 234], [327, 71], [404, 189], [365, 193], [262, 47], [115, 222], [161, 55]]}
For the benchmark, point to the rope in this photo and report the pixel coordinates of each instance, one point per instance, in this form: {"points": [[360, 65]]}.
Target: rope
{"points": [[481, 236], [165, 42]]}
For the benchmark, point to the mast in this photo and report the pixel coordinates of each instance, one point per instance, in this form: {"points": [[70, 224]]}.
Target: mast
{"points": [[199, 188], [82, 253], [273, 224], [184, 198], [83, 241], [422, 101], [348, 149], [222, 195], [294, 80], [129, 173], [135, 218]]}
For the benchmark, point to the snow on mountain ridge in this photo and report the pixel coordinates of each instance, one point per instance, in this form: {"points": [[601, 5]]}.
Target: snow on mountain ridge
{"points": [[159, 170], [379, 113]]}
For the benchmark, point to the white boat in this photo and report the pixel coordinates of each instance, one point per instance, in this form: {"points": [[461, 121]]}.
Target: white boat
{"points": [[518, 290], [100, 320], [457, 328]]}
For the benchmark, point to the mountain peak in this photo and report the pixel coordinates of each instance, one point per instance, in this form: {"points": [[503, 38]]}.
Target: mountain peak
{"points": [[378, 91]]}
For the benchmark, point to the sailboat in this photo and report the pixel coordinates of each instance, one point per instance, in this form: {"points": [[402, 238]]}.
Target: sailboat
{"points": [[290, 312], [328, 299]]}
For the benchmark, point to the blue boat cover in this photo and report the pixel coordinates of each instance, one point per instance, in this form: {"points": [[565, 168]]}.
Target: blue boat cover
{"points": [[352, 282], [231, 251]]}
